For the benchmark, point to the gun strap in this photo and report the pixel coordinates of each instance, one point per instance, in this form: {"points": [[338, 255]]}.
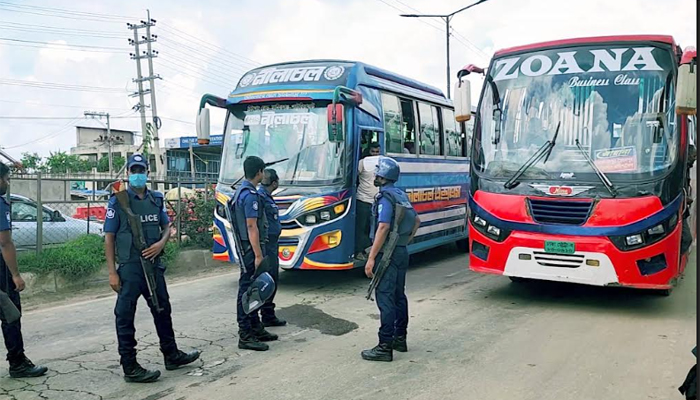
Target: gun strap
{"points": [[132, 219]]}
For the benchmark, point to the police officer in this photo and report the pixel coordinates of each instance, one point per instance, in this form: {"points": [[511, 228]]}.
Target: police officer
{"points": [[390, 293], [12, 283], [248, 211], [269, 184], [129, 281]]}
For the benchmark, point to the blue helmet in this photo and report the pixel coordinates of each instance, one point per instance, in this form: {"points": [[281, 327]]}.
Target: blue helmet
{"points": [[258, 293], [387, 168]]}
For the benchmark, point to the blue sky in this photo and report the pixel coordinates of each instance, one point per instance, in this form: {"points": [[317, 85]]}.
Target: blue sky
{"points": [[206, 46]]}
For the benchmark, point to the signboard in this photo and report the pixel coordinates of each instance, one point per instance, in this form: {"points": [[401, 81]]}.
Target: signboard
{"points": [[619, 159], [185, 142], [328, 73]]}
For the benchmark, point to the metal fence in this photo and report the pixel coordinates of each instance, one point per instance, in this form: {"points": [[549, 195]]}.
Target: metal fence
{"points": [[72, 206]]}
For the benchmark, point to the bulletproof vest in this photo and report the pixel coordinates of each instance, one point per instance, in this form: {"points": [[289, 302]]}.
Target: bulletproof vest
{"points": [[240, 226], [148, 210], [395, 196]]}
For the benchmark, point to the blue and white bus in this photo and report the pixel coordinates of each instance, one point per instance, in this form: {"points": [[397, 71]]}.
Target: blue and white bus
{"points": [[321, 115]]}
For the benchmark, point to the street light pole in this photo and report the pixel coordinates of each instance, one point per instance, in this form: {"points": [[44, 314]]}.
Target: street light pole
{"points": [[447, 18]]}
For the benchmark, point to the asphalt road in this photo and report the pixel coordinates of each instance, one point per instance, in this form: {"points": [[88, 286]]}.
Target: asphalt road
{"points": [[471, 336]]}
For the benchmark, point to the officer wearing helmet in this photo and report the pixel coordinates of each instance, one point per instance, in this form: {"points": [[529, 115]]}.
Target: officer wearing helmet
{"points": [[390, 293], [128, 279], [250, 225]]}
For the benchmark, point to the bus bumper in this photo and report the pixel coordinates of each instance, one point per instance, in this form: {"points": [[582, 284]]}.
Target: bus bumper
{"points": [[596, 260]]}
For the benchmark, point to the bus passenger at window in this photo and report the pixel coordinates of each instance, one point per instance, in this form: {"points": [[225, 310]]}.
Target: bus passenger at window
{"points": [[365, 197]]}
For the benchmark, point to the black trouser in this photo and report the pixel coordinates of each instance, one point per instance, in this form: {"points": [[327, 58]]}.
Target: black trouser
{"points": [[12, 333], [363, 221], [267, 311], [246, 322], [133, 286], [391, 296]]}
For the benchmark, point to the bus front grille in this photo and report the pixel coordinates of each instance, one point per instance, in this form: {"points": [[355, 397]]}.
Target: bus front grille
{"points": [[564, 212], [559, 260]]}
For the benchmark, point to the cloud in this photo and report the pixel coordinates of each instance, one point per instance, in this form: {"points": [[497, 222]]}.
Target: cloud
{"points": [[284, 30]]}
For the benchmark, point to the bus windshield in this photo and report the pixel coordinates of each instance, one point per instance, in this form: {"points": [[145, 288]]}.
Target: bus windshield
{"points": [[296, 131], [616, 103]]}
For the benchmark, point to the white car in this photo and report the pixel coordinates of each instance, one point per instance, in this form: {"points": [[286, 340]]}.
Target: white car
{"points": [[57, 228]]}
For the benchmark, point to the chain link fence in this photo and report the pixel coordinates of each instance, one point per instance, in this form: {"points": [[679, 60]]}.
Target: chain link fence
{"points": [[49, 210]]}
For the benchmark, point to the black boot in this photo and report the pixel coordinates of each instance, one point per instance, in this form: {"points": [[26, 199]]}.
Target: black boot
{"points": [[399, 344], [180, 358], [274, 321], [264, 336], [381, 352], [22, 367], [248, 341], [134, 372]]}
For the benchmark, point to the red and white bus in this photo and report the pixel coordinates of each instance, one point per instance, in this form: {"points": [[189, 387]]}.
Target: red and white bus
{"points": [[582, 162]]}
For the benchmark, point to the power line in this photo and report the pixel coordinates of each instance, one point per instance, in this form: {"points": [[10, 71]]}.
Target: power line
{"points": [[60, 86], [61, 13], [60, 105], [211, 46], [219, 76], [215, 62], [49, 136], [61, 29], [57, 31], [98, 49], [178, 68]]}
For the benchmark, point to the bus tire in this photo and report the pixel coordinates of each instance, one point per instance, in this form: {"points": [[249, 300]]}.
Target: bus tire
{"points": [[463, 245], [517, 279], [663, 292]]}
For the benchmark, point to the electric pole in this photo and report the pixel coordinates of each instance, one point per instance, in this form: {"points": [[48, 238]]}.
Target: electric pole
{"points": [[93, 114], [149, 54]]}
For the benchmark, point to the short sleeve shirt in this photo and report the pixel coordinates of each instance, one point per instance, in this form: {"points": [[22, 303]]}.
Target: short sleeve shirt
{"points": [[250, 201], [385, 210]]}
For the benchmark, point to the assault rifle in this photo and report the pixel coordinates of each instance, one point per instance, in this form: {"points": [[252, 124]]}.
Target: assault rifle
{"points": [[387, 250]]}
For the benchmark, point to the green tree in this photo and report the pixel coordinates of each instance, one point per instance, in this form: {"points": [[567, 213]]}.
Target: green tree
{"points": [[60, 163], [117, 163], [32, 162]]}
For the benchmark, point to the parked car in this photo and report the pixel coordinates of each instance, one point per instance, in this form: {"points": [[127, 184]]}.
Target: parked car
{"points": [[57, 228]]}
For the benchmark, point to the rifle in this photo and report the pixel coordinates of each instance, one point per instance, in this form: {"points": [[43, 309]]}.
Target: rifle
{"points": [[8, 310], [139, 241], [387, 250]]}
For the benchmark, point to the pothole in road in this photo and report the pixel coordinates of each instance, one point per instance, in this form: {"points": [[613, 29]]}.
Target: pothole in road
{"points": [[306, 316]]}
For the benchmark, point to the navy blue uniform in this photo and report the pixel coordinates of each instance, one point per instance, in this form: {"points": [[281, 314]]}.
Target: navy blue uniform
{"points": [[11, 333], [274, 229], [247, 204], [391, 291], [154, 218]]}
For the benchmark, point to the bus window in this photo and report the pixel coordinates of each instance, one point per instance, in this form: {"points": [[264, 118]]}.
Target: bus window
{"points": [[399, 125], [392, 124], [453, 138], [430, 141], [408, 120]]}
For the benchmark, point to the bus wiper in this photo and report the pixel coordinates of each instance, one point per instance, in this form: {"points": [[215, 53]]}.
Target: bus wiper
{"points": [[269, 164], [601, 175], [544, 151]]}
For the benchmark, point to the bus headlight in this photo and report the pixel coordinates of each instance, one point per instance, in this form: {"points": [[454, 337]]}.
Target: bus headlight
{"points": [[325, 214], [489, 230], [647, 236]]}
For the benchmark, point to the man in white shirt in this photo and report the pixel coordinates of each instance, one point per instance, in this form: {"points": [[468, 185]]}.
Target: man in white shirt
{"points": [[365, 197]]}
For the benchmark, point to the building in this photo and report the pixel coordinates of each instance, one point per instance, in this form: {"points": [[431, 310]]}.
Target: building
{"points": [[91, 143], [185, 158]]}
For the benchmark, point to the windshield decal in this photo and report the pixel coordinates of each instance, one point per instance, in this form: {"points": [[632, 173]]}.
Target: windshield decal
{"points": [[618, 159], [569, 62], [270, 118]]}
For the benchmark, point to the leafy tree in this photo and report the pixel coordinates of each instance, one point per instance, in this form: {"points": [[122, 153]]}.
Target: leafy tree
{"points": [[32, 162], [117, 163]]}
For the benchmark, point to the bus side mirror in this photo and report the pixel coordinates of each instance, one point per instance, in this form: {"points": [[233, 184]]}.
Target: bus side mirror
{"points": [[335, 122], [686, 89], [203, 127], [463, 100]]}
